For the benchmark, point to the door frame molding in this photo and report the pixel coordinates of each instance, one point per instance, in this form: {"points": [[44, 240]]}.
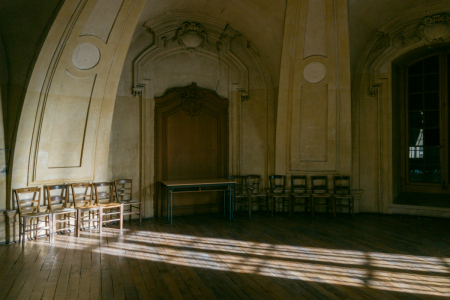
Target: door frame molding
{"points": [[143, 87]]}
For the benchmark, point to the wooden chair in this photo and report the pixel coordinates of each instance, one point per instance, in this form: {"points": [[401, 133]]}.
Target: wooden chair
{"points": [[343, 193], [104, 197], [58, 205], [319, 191], [277, 193], [28, 202], [124, 194], [242, 198], [84, 203], [253, 186], [299, 192]]}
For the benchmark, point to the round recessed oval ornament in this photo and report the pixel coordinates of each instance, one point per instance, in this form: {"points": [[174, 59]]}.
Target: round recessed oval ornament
{"points": [[315, 72], [85, 56]]}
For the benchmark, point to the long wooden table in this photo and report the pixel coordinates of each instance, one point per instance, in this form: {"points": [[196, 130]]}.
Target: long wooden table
{"points": [[197, 185]]}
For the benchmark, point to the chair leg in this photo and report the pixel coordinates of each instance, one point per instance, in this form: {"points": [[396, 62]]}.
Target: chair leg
{"points": [[36, 229], [78, 222], [353, 207], [100, 218], [140, 213], [24, 231], [333, 203], [312, 206], [20, 230], [121, 219], [54, 225]]}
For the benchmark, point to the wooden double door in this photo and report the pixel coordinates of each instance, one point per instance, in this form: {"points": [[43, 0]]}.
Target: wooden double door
{"points": [[191, 142]]}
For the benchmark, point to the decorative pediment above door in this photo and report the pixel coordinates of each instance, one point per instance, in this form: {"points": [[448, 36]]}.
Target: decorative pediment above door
{"points": [[193, 98]]}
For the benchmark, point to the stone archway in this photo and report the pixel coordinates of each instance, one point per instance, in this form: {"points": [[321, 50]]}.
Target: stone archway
{"points": [[374, 105]]}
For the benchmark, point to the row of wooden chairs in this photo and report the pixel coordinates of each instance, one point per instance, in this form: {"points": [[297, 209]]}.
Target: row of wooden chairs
{"points": [[249, 193], [112, 201]]}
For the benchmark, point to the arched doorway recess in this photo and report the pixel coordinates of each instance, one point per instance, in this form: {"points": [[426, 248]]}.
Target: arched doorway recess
{"points": [[376, 106], [223, 64], [191, 142]]}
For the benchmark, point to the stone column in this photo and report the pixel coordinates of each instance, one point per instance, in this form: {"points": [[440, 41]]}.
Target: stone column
{"points": [[314, 105]]}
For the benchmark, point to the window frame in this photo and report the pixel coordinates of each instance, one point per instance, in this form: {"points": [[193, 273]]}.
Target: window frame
{"points": [[444, 115]]}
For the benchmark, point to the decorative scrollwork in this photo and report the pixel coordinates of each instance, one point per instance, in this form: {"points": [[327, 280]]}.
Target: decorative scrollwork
{"points": [[190, 35], [435, 28], [190, 99]]}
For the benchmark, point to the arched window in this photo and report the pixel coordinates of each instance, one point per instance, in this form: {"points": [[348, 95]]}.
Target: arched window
{"points": [[425, 129]]}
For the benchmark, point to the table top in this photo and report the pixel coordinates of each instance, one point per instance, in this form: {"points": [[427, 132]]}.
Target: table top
{"points": [[170, 183]]}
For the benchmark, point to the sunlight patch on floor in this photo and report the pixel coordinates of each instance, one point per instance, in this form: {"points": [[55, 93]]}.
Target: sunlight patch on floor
{"points": [[383, 271]]}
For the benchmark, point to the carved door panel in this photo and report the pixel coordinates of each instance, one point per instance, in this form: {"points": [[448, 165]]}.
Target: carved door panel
{"points": [[191, 142]]}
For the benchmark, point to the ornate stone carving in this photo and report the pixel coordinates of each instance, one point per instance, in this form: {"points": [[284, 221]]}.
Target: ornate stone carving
{"points": [[190, 99], [380, 46], [435, 28], [190, 36], [373, 91], [138, 90]]}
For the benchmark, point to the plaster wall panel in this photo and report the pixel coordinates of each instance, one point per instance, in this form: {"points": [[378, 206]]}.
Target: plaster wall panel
{"points": [[313, 127], [68, 106], [102, 18], [69, 121], [124, 146], [254, 135], [314, 115], [316, 29], [184, 67], [369, 167]]}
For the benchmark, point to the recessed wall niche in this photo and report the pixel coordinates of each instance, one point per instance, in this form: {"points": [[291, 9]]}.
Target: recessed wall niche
{"points": [[215, 61]]}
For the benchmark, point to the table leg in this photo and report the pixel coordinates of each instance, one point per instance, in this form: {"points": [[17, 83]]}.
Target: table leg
{"points": [[224, 203], [230, 190], [167, 206], [234, 195], [162, 198], [171, 204]]}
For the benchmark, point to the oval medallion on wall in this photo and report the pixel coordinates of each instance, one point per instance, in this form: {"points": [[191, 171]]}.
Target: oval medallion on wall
{"points": [[315, 72], [85, 56]]}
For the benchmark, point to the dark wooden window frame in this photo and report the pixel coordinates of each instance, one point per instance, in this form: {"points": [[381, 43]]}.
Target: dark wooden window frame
{"points": [[444, 116]]}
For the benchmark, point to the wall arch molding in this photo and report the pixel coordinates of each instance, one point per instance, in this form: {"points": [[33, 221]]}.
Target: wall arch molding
{"points": [[373, 93], [228, 65], [56, 84], [222, 71]]}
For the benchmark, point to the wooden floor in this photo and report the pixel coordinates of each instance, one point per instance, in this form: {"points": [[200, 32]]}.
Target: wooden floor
{"points": [[209, 257]]}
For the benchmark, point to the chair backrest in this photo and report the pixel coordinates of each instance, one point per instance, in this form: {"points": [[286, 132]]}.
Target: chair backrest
{"points": [[342, 184], [252, 184], [28, 199], [60, 197], [299, 184], [123, 189], [319, 184], [239, 185], [277, 184], [85, 197], [104, 192]]}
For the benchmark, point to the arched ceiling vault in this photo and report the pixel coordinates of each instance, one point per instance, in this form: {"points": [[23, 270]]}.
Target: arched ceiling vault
{"points": [[368, 16], [260, 22]]}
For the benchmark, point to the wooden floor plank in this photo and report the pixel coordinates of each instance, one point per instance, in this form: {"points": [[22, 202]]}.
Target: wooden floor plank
{"points": [[18, 275], [50, 286], [209, 257]]}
